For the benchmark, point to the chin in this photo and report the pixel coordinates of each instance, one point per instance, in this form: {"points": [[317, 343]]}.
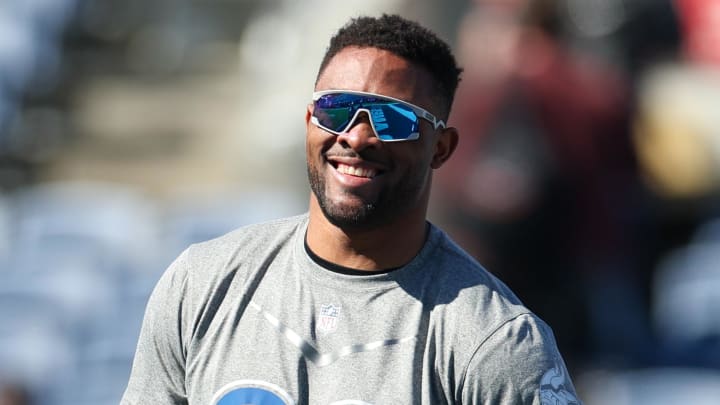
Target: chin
{"points": [[355, 217]]}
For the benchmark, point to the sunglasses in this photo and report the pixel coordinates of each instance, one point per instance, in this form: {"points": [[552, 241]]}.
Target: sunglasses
{"points": [[392, 119]]}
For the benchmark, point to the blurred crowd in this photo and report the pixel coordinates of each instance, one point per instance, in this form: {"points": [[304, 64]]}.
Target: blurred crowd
{"points": [[587, 176]]}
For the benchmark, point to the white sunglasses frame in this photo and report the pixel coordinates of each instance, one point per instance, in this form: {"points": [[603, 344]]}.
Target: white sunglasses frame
{"points": [[419, 112]]}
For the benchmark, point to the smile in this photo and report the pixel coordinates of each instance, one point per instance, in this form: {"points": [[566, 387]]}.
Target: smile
{"points": [[356, 171]]}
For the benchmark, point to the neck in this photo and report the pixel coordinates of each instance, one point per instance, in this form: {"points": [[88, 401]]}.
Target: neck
{"points": [[388, 246]]}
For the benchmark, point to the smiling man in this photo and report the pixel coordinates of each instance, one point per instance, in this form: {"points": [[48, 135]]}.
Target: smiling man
{"points": [[361, 300]]}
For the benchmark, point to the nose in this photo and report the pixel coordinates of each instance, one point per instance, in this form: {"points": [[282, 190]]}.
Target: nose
{"points": [[360, 135]]}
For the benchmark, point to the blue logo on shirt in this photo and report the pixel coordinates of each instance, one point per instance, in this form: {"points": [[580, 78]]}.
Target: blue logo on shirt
{"points": [[252, 392], [256, 392]]}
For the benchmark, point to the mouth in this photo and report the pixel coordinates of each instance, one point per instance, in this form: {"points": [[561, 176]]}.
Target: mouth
{"points": [[354, 166], [355, 170]]}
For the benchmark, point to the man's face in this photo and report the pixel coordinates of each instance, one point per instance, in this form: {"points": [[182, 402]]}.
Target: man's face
{"points": [[359, 181]]}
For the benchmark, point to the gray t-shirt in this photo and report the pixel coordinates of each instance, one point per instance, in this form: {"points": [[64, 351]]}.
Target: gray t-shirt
{"points": [[250, 318]]}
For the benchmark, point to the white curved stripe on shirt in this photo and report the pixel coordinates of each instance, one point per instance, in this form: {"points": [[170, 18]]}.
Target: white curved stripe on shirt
{"points": [[312, 353]]}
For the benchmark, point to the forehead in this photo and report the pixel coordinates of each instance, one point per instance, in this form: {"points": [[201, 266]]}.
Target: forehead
{"points": [[377, 71]]}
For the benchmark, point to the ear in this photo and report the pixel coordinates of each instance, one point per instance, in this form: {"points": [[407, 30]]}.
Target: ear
{"points": [[308, 114], [444, 147]]}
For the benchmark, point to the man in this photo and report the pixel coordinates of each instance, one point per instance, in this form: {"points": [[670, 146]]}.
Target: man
{"points": [[360, 301]]}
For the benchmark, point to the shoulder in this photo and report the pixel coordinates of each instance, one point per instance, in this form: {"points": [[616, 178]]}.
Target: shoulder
{"points": [[520, 360], [491, 337], [469, 304], [467, 286], [251, 236], [229, 259], [239, 251]]}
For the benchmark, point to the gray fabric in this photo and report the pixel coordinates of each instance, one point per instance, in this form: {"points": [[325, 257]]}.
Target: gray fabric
{"points": [[251, 312]]}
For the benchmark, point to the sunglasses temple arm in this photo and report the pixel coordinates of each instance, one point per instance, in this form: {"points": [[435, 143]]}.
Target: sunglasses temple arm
{"points": [[436, 122]]}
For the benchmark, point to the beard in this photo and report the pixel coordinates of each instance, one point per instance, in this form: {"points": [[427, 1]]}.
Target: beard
{"points": [[389, 204]]}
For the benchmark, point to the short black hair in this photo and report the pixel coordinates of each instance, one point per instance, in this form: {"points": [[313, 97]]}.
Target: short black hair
{"points": [[406, 39]]}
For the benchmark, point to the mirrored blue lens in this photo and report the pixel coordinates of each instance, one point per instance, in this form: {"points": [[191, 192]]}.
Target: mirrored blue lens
{"points": [[392, 120]]}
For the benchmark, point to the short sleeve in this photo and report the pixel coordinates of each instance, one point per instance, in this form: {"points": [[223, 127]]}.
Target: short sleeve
{"points": [[519, 364], [158, 371]]}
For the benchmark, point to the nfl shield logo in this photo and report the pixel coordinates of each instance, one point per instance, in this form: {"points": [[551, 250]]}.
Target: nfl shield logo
{"points": [[329, 315]]}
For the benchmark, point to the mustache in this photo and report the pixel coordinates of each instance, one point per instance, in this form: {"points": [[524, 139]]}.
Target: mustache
{"points": [[338, 151], [342, 153]]}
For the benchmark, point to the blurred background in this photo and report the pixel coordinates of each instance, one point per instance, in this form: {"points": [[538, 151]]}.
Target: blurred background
{"points": [[587, 176]]}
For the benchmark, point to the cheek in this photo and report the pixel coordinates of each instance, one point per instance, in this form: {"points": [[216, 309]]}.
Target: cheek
{"points": [[421, 168], [317, 140], [313, 147], [417, 157]]}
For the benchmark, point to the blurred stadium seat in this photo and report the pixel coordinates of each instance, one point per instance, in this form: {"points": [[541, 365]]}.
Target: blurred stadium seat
{"points": [[687, 300], [81, 263], [657, 386]]}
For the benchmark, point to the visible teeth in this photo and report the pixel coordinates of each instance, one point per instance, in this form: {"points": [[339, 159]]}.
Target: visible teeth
{"points": [[356, 171]]}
